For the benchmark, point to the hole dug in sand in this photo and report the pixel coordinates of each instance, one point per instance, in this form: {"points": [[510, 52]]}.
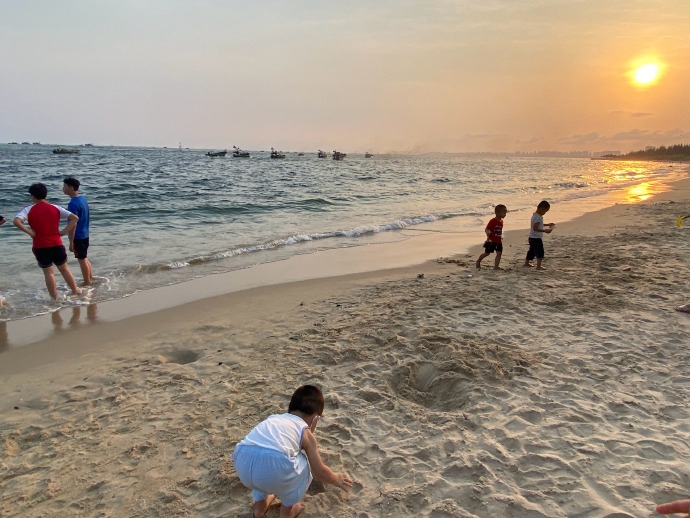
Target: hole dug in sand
{"points": [[446, 380], [179, 356]]}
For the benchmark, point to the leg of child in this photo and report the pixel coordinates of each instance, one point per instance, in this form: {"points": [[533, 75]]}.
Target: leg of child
{"points": [[498, 260], [539, 266], [291, 511], [262, 506], [528, 259], [480, 259], [69, 278]]}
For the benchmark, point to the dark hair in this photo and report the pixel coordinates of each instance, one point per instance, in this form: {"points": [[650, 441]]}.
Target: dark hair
{"points": [[498, 207], [72, 182], [38, 191], [543, 204], [307, 399]]}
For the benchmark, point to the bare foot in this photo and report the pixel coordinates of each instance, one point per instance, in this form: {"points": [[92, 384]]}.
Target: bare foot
{"points": [[261, 507], [291, 512], [477, 264], [685, 308], [528, 265], [540, 268]]}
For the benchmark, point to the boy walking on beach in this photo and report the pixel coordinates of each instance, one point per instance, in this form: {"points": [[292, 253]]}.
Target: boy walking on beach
{"points": [[79, 235], [44, 228], [536, 232], [270, 462], [494, 237]]}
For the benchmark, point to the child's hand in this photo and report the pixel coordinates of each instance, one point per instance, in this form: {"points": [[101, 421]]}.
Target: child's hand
{"points": [[548, 230], [343, 482]]}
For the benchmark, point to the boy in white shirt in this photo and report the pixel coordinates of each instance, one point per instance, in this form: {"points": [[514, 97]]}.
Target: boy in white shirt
{"points": [[536, 231]]}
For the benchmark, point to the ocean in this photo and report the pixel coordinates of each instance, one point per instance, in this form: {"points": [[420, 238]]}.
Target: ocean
{"points": [[165, 216]]}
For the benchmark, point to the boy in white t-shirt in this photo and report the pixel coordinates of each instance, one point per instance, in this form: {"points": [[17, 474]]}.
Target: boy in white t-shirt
{"points": [[536, 231], [270, 462]]}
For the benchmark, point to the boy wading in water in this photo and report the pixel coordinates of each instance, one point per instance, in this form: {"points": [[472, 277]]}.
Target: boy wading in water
{"points": [[44, 228], [537, 230], [79, 235], [270, 462], [494, 237]]}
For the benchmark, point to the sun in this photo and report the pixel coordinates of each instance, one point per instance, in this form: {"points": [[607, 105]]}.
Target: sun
{"points": [[646, 74]]}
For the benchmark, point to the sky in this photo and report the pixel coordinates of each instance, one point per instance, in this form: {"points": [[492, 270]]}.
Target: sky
{"points": [[404, 76]]}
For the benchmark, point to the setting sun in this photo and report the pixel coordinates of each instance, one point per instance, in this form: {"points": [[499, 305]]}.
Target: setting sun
{"points": [[647, 74]]}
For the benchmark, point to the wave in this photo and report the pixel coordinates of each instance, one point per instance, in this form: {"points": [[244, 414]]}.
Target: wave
{"points": [[359, 231]]}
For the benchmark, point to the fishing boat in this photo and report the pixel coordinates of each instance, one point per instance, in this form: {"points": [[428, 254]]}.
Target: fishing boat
{"points": [[337, 155], [368, 155], [276, 154], [238, 153], [65, 151], [322, 154], [216, 153]]}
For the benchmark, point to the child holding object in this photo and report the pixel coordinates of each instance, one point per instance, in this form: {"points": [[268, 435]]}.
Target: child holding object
{"points": [[494, 237], [536, 232], [270, 462]]}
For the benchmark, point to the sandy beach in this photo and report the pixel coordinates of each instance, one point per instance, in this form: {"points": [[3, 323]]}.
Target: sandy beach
{"points": [[464, 393]]}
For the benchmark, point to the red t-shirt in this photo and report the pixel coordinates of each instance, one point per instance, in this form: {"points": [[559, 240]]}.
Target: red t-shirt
{"points": [[44, 219], [495, 226]]}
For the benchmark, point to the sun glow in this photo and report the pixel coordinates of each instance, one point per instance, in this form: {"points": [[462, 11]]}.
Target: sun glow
{"points": [[647, 73]]}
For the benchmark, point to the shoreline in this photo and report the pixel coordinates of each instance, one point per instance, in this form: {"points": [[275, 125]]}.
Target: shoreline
{"points": [[465, 393], [422, 246]]}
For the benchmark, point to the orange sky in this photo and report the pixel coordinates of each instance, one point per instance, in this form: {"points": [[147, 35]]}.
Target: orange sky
{"points": [[384, 76]]}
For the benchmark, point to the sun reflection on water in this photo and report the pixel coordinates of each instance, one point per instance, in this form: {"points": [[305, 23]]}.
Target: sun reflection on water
{"points": [[640, 192]]}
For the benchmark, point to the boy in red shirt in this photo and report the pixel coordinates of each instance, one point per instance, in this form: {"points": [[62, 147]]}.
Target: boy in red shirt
{"points": [[44, 228], [494, 239]]}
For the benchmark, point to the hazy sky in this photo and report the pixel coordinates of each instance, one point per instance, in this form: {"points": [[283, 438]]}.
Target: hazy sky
{"points": [[378, 75]]}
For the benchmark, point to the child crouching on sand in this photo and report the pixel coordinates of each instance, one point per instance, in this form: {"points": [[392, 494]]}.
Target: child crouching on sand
{"points": [[494, 237], [270, 462]]}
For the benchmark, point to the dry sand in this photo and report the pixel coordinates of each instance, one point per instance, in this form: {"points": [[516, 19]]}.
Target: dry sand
{"points": [[466, 393]]}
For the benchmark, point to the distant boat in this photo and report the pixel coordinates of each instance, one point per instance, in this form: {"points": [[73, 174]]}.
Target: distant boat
{"points": [[322, 154], [300, 154], [337, 155], [276, 154], [238, 153], [368, 155], [36, 143], [14, 143], [88, 145], [216, 153], [26, 143], [65, 151]]}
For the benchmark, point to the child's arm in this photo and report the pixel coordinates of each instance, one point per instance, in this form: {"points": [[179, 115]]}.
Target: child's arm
{"points": [[318, 468], [536, 228]]}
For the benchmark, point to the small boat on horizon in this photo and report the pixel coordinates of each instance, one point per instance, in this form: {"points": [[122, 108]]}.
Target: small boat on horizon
{"points": [[368, 155], [238, 153], [337, 155], [216, 153], [65, 151], [322, 154], [276, 154]]}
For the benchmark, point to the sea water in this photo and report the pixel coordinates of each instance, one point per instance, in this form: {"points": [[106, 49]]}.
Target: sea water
{"points": [[164, 216]]}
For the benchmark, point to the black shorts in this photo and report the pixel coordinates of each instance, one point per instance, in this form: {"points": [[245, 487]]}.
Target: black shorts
{"points": [[47, 257], [81, 247], [536, 248], [490, 247]]}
